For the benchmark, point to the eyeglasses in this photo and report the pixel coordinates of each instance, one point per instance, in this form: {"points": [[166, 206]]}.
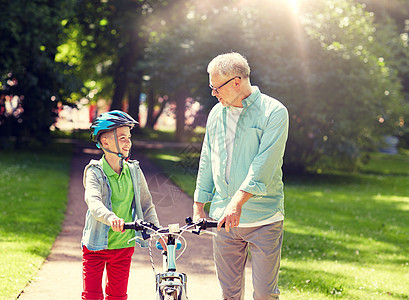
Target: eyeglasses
{"points": [[216, 89]]}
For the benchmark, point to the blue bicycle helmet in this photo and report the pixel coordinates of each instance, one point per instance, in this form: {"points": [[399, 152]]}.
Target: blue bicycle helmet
{"points": [[109, 121]]}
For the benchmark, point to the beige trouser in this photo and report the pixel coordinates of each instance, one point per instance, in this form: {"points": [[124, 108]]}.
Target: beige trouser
{"points": [[230, 251]]}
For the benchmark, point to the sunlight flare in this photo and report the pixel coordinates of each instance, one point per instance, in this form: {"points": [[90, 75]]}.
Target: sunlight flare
{"points": [[294, 5]]}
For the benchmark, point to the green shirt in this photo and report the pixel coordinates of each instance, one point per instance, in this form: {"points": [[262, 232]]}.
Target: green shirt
{"points": [[121, 198]]}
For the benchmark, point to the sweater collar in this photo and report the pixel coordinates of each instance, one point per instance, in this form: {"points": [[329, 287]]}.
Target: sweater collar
{"points": [[252, 97]]}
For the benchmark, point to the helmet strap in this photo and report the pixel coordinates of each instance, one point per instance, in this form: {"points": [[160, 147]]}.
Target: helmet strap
{"points": [[119, 151], [109, 151], [117, 144], [119, 154]]}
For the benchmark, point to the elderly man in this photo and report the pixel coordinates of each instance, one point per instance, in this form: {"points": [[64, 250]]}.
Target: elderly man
{"points": [[240, 174]]}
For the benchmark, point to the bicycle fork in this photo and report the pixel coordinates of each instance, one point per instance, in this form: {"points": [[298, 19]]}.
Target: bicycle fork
{"points": [[170, 284]]}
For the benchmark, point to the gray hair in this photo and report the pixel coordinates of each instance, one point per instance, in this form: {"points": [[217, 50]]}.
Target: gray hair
{"points": [[229, 65]]}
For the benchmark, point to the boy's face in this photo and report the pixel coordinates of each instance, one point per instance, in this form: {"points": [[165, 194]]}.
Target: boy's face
{"points": [[124, 140]]}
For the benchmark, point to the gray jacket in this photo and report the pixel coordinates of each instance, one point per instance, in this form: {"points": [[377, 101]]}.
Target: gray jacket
{"points": [[98, 198]]}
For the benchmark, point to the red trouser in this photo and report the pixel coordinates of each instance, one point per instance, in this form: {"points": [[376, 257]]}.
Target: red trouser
{"points": [[117, 263]]}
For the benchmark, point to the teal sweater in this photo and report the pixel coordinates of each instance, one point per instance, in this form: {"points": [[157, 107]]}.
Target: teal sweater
{"points": [[258, 151]]}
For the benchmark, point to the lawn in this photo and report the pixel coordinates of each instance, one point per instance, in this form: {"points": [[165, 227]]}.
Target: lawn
{"points": [[346, 235], [33, 196]]}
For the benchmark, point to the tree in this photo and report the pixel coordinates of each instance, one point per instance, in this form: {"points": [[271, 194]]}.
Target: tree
{"points": [[32, 83], [179, 51], [339, 72], [110, 39], [360, 99], [392, 21], [326, 61]]}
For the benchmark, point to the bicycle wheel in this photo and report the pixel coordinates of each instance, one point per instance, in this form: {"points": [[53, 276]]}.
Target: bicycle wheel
{"points": [[171, 293]]}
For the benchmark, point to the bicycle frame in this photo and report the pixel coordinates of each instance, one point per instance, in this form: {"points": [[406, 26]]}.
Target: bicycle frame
{"points": [[171, 284]]}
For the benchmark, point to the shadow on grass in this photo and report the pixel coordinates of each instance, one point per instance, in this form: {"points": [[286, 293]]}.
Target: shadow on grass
{"points": [[347, 218], [319, 282], [34, 186]]}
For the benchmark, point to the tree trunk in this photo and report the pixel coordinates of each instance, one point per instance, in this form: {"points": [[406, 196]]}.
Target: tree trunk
{"points": [[180, 115], [151, 108], [134, 93], [135, 75], [121, 82], [162, 107]]}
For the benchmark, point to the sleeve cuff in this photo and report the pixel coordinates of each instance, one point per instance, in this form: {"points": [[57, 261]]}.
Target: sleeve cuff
{"points": [[251, 186], [110, 218], [202, 196]]}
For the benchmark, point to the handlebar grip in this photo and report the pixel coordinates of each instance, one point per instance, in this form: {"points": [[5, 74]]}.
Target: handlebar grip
{"points": [[129, 225], [212, 224]]}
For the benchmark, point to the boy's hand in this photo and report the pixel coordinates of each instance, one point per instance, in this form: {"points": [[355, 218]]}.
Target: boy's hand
{"points": [[117, 224]]}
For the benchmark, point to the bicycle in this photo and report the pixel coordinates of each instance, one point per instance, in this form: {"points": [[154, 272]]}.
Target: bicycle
{"points": [[170, 285]]}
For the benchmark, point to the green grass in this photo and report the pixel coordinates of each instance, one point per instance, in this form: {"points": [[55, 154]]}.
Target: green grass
{"points": [[33, 195], [346, 235], [386, 164]]}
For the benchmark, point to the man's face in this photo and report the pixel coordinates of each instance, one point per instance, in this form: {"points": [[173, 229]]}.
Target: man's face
{"points": [[124, 140], [224, 89]]}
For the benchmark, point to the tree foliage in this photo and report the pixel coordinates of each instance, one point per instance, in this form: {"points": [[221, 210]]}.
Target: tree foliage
{"points": [[328, 63], [110, 39], [353, 93], [32, 83], [341, 67]]}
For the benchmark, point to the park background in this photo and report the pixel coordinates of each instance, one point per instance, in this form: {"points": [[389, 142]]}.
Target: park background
{"points": [[340, 67]]}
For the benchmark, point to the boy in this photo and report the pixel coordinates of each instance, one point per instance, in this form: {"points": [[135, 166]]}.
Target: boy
{"points": [[115, 192]]}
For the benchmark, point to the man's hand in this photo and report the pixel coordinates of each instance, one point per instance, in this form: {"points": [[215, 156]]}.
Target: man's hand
{"points": [[198, 211], [232, 213], [231, 216], [117, 224]]}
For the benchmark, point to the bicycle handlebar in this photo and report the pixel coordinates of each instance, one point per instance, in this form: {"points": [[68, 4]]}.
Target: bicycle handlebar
{"points": [[198, 226], [140, 225]]}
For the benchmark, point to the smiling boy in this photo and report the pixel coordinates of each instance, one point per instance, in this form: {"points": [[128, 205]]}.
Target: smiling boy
{"points": [[115, 192]]}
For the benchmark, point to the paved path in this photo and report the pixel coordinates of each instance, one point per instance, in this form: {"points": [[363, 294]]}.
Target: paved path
{"points": [[60, 275]]}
